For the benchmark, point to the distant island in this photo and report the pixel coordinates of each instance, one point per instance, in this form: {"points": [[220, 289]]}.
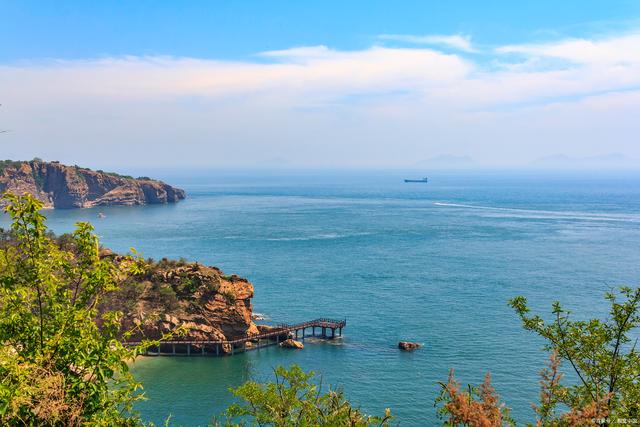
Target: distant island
{"points": [[64, 187]]}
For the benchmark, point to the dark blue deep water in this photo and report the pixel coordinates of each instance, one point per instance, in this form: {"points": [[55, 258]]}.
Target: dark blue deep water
{"points": [[432, 263]]}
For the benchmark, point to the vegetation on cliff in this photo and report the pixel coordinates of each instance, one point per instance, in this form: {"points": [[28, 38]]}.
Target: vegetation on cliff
{"points": [[201, 300]]}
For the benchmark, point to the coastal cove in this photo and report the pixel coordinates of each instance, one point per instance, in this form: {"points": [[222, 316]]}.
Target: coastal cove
{"points": [[432, 263]]}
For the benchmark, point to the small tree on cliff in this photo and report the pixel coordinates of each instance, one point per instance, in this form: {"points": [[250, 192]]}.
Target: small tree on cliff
{"points": [[59, 365]]}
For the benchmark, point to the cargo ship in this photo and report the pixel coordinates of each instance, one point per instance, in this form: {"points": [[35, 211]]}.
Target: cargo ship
{"points": [[425, 180]]}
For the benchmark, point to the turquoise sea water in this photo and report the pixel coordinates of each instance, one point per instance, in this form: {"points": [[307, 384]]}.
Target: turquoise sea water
{"points": [[431, 263]]}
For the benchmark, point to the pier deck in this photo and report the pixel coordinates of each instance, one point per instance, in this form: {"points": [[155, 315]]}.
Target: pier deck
{"points": [[274, 336]]}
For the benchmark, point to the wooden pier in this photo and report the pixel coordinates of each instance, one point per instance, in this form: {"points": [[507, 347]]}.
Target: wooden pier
{"points": [[281, 332]]}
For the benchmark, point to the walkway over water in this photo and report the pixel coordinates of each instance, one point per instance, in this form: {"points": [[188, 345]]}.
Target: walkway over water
{"points": [[273, 336]]}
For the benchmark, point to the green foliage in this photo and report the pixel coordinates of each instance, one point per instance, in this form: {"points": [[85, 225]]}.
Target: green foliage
{"points": [[601, 352], [60, 365], [188, 285], [117, 175], [5, 164], [168, 297], [229, 297], [293, 400]]}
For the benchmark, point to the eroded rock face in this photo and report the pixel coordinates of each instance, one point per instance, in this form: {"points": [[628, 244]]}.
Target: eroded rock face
{"points": [[60, 186], [408, 346], [198, 299]]}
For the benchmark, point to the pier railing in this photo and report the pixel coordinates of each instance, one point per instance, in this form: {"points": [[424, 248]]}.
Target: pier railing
{"points": [[275, 332]]}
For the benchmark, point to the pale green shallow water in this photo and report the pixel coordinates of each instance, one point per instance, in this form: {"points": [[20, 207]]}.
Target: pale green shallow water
{"points": [[433, 263]]}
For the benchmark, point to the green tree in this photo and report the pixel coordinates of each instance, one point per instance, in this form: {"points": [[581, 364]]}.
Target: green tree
{"points": [[601, 352], [61, 364], [293, 400]]}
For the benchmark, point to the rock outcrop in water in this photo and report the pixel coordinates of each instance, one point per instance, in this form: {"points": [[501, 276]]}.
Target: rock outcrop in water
{"points": [[60, 186], [293, 344], [408, 346], [169, 295]]}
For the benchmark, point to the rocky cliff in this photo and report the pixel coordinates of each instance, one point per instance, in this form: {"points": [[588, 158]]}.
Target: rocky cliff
{"points": [[201, 300], [60, 186]]}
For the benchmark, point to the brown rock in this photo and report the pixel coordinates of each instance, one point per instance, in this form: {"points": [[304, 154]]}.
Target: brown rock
{"points": [[191, 296], [408, 346], [291, 343], [263, 329]]}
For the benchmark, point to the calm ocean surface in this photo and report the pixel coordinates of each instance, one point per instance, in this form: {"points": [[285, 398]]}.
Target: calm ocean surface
{"points": [[431, 263]]}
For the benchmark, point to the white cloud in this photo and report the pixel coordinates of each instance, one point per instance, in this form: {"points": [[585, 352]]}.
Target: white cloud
{"points": [[324, 107], [613, 50], [456, 41]]}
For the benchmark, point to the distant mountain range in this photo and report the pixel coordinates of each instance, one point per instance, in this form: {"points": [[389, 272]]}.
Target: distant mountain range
{"points": [[605, 161]]}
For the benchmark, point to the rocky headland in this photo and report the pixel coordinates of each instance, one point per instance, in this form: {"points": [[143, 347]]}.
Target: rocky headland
{"points": [[61, 186], [200, 301]]}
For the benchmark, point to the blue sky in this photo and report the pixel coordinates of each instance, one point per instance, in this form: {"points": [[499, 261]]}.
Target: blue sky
{"points": [[209, 29], [322, 84]]}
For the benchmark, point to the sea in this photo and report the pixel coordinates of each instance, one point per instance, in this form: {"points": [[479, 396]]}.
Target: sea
{"points": [[432, 263]]}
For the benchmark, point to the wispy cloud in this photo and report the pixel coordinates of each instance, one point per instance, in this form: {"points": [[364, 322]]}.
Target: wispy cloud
{"points": [[455, 41], [622, 49], [298, 103]]}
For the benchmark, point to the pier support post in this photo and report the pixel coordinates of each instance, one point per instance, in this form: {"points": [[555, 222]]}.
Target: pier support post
{"points": [[314, 331], [232, 349], [324, 332], [217, 349], [340, 331], [303, 333], [189, 349], [202, 349], [173, 349]]}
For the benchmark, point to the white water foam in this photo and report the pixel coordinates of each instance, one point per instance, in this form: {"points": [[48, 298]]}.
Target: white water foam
{"points": [[543, 214], [327, 236]]}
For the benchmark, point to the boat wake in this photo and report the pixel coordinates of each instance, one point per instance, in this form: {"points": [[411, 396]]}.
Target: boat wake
{"points": [[545, 214], [327, 236]]}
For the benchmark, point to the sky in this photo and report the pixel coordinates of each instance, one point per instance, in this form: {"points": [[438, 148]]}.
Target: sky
{"points": [[322, 84]]}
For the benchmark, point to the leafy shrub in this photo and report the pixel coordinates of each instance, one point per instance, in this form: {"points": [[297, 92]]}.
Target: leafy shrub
{"points": [[188, 285], [229, 297], [167, 296], [5, 164], [59, 364], [293, 400]]}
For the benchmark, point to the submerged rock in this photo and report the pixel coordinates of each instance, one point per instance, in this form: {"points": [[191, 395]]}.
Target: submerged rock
{"points": [[291, 343], [408, 346]]}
